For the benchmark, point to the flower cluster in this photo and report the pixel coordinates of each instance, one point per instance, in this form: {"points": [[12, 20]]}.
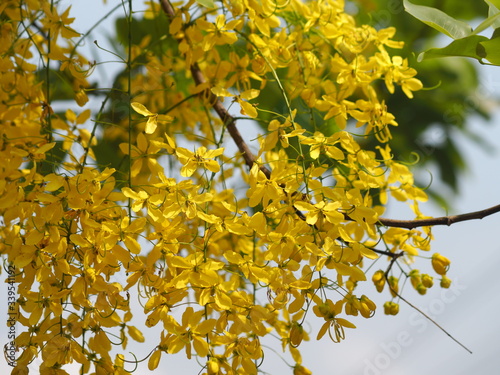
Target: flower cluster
{"points": [[222, 248]]}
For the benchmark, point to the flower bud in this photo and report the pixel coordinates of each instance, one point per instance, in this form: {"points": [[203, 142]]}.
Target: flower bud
{"points": [[391, 308], [212, 366], [445, 282], [367, 307], [296, 334], [393, 282], [421, 289], [440, 263], [301, 370], [415, 278], [378, 279], [427, 280]]}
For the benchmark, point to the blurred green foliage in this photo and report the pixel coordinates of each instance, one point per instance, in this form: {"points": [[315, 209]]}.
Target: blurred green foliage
{"points": [[428, 123]]}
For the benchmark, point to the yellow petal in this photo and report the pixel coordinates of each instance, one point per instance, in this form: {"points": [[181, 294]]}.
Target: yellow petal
{"points": [[212, 166], [183, 154], [345, 323], [46, 147], [151, 125], [249, 94], [141, 109], [200, 346], [247, 109], [129, 193], [154, 360], [132, 245], [220, 91], [222, 300], [135, 334], [188, 169], [323, 330], [214, 153]]}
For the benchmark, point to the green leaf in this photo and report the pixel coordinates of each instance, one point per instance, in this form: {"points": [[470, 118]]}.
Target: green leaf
{"points": [[53, 159], [438, 20], [493, 3], [206, 3], [143, 28], [492, 20], [492, 50], [493, 10], [466, 47], [107, 155], [61, 83]]}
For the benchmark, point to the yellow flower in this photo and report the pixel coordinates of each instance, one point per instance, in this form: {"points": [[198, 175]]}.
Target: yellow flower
{"points": [[153, 118], [202, 157], [58, 23], [278, 131], [262, 189], [375, 115], [327, 210], [440, 263], [323, 145], [218, 33], [335, 106], [191, 334], [240, 71], [246, 107], [397, 71], [261, 15]]}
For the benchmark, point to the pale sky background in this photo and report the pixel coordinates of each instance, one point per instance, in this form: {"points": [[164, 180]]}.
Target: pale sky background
{"points": [[407, 343]]}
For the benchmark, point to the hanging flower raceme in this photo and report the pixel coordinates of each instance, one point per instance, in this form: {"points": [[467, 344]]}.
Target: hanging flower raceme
{"points": [[100, 208], [202, 157]]}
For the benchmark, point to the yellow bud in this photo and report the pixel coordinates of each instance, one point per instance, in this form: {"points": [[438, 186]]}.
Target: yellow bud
{"points": [[377, 276], [445, 282], [212, 367], [301, 370], [414, 273], [280, 300], [393, 282], [351, 308], [371, 305], [427, 280], [81, 98], [391, 308], [421, 289], [296, 334], [415, 278], [324, 309], [365, 311], [440, 263], [379, 280]]}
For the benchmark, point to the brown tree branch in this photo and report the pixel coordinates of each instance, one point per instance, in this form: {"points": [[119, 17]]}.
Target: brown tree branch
{"points": [[444, 220], [228, 121], [218, 107], [250, 158]]}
